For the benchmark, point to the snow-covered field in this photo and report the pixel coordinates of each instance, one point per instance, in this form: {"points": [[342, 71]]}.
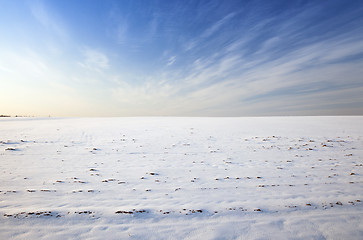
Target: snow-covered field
{"points": [[181, 178]]}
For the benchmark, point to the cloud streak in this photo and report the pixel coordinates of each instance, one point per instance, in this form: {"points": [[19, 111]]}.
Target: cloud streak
{"points": [[288, 78], [171, 60], [94, 60], [47, 18], [192, 59]]}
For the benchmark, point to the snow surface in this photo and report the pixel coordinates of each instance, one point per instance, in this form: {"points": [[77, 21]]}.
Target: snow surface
{"points": [[181, 178]]}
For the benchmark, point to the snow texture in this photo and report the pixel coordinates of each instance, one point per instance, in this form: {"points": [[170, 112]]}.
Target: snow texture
{"points": [[181, 178]]}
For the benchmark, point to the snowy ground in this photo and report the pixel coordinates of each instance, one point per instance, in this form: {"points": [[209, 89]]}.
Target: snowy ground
{"points": [[181, 178]]}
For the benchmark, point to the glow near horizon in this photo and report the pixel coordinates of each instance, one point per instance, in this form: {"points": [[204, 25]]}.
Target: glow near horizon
{"points": [[181, 58]]}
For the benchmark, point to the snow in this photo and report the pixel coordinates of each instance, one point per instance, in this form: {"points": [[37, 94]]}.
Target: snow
{"points": [[181, 178]]}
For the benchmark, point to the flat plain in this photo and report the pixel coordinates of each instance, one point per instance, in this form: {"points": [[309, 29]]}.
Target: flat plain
{"points": [[181, 178]]}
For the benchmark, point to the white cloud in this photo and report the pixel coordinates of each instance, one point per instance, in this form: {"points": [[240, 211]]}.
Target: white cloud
{"points": [[47, 18], [217, 26], [171, 60], [94, 60], [5, 69], [306, 80], [193, 43], [250, 75]]}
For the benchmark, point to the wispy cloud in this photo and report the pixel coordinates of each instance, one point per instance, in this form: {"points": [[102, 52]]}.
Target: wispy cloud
{"points": [[210, 31], [5, 69], [27, 62], [217, 26], [276, 77], [47, 18], [94, 60], [215, 59], [119, 26], [37, 87], [121, 32], [171, 60]]}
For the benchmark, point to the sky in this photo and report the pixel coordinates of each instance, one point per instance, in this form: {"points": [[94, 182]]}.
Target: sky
{"points": [[93, 58]]}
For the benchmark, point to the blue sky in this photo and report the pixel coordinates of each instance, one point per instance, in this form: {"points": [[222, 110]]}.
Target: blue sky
{"points": [[181, 58]]}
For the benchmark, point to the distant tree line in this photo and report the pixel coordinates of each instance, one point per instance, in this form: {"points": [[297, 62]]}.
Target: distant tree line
{"points": [[2, 115]]}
